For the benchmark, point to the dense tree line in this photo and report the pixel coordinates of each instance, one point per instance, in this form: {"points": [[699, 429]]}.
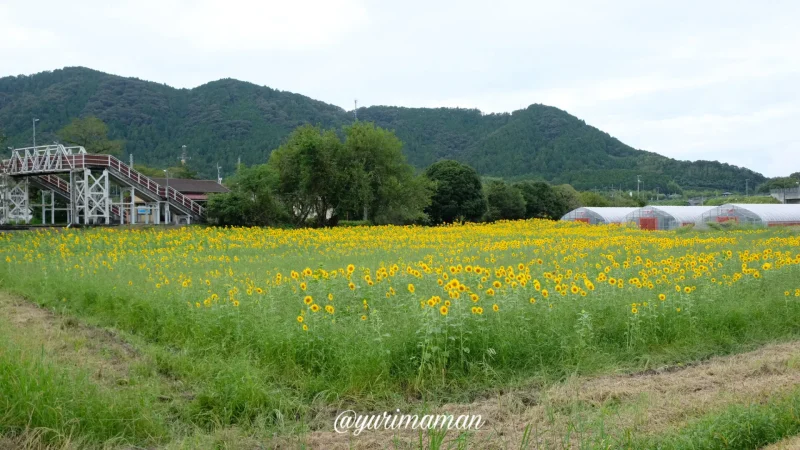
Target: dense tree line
{"points": [[316, 178], [225, 120], [319, 176], [792, 181]]}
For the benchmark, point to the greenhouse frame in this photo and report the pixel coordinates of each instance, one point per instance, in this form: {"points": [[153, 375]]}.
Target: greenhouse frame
{"points": [[769, 215], [597, 215], [666, 217]]}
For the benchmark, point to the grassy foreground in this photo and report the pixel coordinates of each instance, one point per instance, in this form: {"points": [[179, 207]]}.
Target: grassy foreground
{"points": [[272, 330]]}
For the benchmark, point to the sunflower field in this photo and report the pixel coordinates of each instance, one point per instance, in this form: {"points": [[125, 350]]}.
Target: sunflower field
{"points": [[266, 324]]}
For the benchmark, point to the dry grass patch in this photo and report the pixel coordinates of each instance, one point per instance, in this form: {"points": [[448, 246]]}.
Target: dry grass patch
{"points": [[570, 413], [786, 444]]}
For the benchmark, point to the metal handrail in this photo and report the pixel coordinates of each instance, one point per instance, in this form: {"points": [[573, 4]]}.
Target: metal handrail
{"points": [[82, 160]]}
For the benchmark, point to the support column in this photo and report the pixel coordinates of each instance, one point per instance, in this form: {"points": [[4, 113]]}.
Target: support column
{"points": [[107, 202], [133, 206], [86, 197], [4, 182], [91, 196], [51, 204], [18, 204]]}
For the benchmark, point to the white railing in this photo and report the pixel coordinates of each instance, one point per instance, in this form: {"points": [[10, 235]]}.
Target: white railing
{"points": [[44, 158], [57, 158]]}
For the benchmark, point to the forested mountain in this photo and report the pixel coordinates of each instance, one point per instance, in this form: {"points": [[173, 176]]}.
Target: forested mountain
{"points": [[228, 119]]}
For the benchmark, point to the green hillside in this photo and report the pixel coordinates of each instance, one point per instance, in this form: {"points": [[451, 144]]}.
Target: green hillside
{"points": [[229, 119]]}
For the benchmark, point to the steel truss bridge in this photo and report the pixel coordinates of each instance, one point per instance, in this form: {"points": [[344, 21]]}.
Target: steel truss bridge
{"points": [[84, 181]]}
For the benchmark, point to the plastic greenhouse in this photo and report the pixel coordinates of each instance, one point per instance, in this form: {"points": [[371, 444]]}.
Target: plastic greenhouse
{"points": [[756, 214], [666, 217], [594, 215]]}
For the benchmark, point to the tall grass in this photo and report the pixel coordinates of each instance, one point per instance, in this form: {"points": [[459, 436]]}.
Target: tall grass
{"points": [[738, 427], [59, 404]]}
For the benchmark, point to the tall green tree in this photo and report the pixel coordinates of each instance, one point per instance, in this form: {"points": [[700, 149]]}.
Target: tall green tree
{"points": [[457, 193], [541, 200], [568, 199], [383, 184], [250, 202], [90, 133], [674, 188], [505, 202], [315, 172]]}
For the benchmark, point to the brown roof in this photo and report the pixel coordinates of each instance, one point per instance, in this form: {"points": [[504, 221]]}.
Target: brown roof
{"points": [[184, 185]]}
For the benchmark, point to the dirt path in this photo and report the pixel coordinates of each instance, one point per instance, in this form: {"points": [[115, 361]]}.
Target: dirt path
{"points": [[569, 413], [109, 357], [786, 444], [105, 354]]}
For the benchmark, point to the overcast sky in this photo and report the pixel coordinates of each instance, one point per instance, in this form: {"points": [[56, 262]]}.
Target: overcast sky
{"points": [[697, 79]]}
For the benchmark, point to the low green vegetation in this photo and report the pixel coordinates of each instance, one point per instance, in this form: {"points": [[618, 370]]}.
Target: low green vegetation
{"points": [[61, 404]]}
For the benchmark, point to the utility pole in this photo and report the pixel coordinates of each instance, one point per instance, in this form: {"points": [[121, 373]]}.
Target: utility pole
{"points": [[34, 131], [166, 192], [131, 158], [638, 180], [747, 187], [355, 111], [219, 174], [183, 157]]}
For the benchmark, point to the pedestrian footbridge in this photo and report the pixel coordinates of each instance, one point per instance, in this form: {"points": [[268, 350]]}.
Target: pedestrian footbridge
{"points": [[84, 181]]}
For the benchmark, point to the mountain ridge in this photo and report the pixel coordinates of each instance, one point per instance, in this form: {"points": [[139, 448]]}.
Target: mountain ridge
{"points": [[223, 120]]}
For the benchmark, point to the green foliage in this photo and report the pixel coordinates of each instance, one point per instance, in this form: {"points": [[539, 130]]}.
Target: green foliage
{"points": [[589, 198], [778, 183], [717, 201], [90, 133], [181, 171], [354, 223], [547, 143], [674, 188], [382, 181], [741, 427], [458, 193], [504, 201], [313, 171], [250, 202], [320, 177], [541, 200], [227, 119], [568, 197]]}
